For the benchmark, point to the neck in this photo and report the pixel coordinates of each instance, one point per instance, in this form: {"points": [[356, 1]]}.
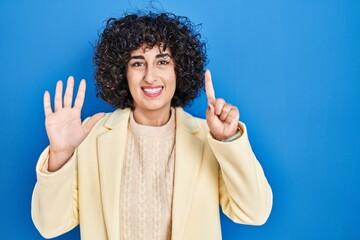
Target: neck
{"points": [[152, 118]]}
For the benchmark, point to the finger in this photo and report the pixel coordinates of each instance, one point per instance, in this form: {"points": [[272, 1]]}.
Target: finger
{"points": [[209, 88], [47, 104], [69, 92], [233, 116], [225, 112], [210, 113], [58, 95], [219, 104], [80, 96], [92, 121]]}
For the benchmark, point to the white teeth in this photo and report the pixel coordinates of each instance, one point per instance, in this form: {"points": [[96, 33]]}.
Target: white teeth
{"points": [[152, 90]]}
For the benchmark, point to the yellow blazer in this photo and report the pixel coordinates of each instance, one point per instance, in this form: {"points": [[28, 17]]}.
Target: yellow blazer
{"points": [[208, 173]]}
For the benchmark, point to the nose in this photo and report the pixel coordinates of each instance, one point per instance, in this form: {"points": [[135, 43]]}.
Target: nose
{"points": [[150, 74]]}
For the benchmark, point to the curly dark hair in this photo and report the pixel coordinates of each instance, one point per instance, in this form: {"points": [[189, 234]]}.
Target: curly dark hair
{"points": [[124, 35]]}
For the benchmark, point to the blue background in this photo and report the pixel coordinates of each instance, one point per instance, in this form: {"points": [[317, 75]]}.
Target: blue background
{"points": [[292, 68]]}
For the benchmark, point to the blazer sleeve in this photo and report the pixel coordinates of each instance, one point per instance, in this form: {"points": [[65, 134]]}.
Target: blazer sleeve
{"points": [[244, 193], [54, 207]]}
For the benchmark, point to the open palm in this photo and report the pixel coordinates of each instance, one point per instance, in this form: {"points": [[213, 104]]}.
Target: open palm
{"points": [[63, 125]]}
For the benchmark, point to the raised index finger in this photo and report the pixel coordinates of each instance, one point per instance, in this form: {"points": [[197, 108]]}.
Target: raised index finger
{"points": [[209, 89]]}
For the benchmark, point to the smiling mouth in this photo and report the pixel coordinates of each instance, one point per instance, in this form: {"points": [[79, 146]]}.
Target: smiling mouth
{"points": [[152, 91]]}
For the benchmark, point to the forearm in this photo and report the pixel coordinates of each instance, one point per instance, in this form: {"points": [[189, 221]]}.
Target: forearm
{"points": [[245, 194], [54, 200]]}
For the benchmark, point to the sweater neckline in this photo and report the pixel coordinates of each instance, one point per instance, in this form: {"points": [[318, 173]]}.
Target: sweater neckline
{"points": [[152, 131]]}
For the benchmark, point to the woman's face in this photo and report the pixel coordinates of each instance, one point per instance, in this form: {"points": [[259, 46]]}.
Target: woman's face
{"points": [[151, 78]]}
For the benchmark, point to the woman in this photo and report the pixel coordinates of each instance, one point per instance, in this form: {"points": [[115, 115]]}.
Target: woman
{"points": [[148, 170]]}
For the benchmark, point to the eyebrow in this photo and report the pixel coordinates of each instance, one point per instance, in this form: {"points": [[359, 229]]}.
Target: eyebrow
{"points": [[137, 57], [161, 55]]}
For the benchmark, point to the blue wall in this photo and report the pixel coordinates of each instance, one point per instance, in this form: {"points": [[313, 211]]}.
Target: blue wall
{"points": [[292, 68]]}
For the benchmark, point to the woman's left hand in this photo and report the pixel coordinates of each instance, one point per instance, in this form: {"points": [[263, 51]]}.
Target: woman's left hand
{"points": [[222, 118]]}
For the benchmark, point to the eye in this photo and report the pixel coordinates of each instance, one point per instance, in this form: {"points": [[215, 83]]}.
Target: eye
{"points": [[163, 62], [137, 64]]}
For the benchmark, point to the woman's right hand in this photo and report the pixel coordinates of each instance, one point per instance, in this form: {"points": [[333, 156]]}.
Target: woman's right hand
{"points": [[63, 125]]}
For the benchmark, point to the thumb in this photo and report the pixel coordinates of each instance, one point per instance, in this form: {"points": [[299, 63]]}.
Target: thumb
{"points": [[92, 121]]}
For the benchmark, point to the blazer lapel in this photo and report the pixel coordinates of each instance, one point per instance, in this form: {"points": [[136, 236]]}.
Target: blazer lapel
{"points": [[188, 156], [111, 148]]}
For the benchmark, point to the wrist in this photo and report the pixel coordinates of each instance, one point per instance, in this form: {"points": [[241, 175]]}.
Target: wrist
{"points": [[234, 136], [58, 159]]}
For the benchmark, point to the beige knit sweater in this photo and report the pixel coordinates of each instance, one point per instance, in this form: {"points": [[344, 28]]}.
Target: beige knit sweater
{"points": [[147, 181]]}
